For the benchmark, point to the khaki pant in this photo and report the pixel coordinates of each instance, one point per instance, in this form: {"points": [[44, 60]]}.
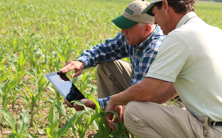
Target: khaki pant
{"points": [[114, 77], [151, 120]]}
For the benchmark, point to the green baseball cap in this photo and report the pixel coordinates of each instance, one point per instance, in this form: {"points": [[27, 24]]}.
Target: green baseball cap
{"points": [[132, 15], [148, 9]]}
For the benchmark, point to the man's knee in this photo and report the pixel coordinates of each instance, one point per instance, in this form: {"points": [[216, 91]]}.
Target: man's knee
{"points": [[129, 115], [131, 108], [134, 110], [104, 67], [136, 115]]}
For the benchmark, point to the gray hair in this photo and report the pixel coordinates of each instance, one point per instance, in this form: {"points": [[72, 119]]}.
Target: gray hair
{"points": [[144, 24]]}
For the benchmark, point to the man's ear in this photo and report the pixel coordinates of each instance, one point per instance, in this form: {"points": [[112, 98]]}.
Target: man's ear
{"points": [[165, 6], [148, 29]]}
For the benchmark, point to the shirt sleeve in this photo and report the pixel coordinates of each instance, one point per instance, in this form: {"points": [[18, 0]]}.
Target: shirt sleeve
{"points": [[103, 102], [112, 49], [170, 60]]}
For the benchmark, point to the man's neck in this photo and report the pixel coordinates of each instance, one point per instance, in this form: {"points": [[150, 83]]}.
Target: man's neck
{"points": [[176, 17]]}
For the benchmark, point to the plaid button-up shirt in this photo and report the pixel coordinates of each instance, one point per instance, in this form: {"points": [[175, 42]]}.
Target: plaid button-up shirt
{"points": [[141, 56]]}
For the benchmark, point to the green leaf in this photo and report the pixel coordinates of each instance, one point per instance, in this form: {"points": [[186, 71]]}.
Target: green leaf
{"points": [[12, 135], [98, 108], [77, 79], [2, 67], [96, 135], [1, 84], [60, 54], [83, 79], [52, 128], [4, 76], [28, 88], [173, 101], [21, 61], [23, 121], [60, 107], [79, 124], [90, 120], [4, 94], [68, 123], [12, 84], [41, 82], [89, 110], [52, 118], [20, 74], [32, 135], [9, 118]]}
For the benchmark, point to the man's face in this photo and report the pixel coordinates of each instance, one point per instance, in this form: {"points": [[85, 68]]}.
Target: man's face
{"points": [[161, 19], [134, 35]]}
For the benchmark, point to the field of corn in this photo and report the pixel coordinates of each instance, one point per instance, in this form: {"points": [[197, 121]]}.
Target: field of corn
{"points": [[38, 37]]}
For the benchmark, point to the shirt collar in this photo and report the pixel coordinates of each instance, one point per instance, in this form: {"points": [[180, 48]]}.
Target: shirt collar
{"points": [[186, 18], [147, 40]]}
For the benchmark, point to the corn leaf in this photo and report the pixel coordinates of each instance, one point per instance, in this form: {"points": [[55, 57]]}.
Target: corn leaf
{"points": [[52, 128], [68, 123], [60, 107], [9, 118], [4, 76], [12, 135], [21, 61], [90, 120], [60, 54], [23, 121]]}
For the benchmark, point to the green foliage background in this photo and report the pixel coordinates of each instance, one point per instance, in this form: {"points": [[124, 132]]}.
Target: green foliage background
{"points": [[39, 36]]}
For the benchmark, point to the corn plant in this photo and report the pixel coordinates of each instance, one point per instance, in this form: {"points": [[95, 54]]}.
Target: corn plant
{"points": [[53, 130], [99, 117], [6, 92], [34, 53], [17, 80], [104, 130], [84, 81], [4, 89], [17, 75], [53, 64], [61, 111], [4, 75], [64, 52], [33, 99], [21, 131]]}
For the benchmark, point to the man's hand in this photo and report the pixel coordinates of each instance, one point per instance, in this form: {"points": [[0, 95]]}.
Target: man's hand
{"points": [[88, 103], [78, 66], [109, 118], [120, 113]]}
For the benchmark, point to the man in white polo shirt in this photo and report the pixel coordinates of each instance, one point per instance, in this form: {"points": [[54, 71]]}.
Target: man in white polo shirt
{"points": [[190, 57]]}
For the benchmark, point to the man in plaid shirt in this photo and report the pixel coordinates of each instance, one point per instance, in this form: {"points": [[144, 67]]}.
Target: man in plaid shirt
{"points": [[139, 40]]}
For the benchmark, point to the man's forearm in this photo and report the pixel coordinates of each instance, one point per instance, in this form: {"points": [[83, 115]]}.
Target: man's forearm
{"points": [[143, 91]]}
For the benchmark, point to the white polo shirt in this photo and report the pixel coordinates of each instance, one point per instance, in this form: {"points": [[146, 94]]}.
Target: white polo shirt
{"points": [[191, 56]]}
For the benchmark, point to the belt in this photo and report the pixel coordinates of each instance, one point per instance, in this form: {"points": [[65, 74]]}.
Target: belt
{"points": [[216, 123]]}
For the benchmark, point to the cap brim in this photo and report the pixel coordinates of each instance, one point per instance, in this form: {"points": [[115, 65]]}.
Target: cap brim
{"points": [[124, 23], [148, 9]]}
